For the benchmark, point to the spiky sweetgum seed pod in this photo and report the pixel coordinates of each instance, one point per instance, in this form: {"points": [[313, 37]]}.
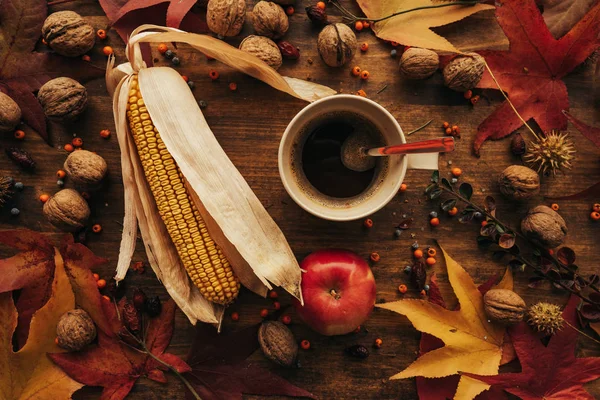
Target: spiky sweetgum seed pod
{"points": [[550, 153], [545, 317]]}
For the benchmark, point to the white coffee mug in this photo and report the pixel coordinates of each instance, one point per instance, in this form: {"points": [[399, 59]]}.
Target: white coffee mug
{"points": [[379, 193]]}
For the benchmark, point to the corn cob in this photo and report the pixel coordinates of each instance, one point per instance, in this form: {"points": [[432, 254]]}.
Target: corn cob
{"points": [[202, 258]]}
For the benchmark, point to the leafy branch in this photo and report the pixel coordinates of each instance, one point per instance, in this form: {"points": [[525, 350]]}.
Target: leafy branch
{"points": [[495, 232], [351, 18]]}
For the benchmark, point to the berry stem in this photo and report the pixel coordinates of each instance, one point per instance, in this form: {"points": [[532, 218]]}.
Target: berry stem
{"points": [[581, 332], [419, 128]]}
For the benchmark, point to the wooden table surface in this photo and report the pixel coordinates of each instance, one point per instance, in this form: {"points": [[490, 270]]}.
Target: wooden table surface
{"points": [[249, 124]]}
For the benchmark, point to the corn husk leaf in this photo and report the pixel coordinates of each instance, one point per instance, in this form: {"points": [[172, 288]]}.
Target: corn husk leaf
{"points": [[236, 219]]}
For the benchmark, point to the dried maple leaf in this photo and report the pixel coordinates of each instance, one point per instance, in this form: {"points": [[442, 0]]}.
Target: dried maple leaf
{"points": [[23, 72], [532, 69], [562, 15], [413, 28], [28, 373], [445, 388], [472, 343], [111, 363], [548, 372], [220, 370]]}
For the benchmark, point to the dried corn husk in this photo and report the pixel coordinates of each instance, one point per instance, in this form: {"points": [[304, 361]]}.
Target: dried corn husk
{"points": [[237, 221]]}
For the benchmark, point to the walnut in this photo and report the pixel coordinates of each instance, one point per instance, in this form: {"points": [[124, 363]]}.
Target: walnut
{"points": [[75, 330], [464, 72], [504, 306], [518, 182], [418, 63], [67, 210], [10, 113], [85, 169], [68, 34], [269, 20], [263, 48], [226, 17], [278, 343], [544, 227], [337, 44], [63, 99]]}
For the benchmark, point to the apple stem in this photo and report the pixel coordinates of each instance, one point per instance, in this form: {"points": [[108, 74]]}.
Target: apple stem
{"points": [[334, 294]]}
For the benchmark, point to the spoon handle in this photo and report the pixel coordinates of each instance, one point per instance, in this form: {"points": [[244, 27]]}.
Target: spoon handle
{"points": [[444, 144]]}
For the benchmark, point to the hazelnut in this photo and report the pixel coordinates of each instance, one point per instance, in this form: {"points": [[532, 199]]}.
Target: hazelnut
{"points": [[418, 63], [68, 34], [337, 44], [278, 343], [67, 210], [75, 330], [519, 183], [63, 99], [263, 48], [504, 306], [544, 227], [464, 72], [269, 19], [10, 113], [85, 169], [226, 17]]}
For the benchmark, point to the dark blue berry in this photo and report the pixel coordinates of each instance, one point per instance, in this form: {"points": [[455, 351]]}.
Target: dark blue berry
{"points": [[15, 211], [19, 186], [433, 214], [176, 61], [191, 84], [169, 54], [394, 53]]}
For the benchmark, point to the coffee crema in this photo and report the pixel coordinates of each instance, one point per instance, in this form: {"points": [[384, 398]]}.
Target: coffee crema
{"points": [[317, 165]]}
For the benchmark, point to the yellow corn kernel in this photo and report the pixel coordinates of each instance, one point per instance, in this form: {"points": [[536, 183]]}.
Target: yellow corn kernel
{"points": [[203, 260]]}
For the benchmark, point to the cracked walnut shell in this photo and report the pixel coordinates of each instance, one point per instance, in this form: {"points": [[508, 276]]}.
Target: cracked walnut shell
{"points": [[544, 227], [85, 169], [278, 343], [226, 17], [68, 34], [417, 63], [337, 44], [63, 99], [518, 182], [269, 19], [67, 210], [263, 48], [75, 330], [463, 73], [10, 113]]}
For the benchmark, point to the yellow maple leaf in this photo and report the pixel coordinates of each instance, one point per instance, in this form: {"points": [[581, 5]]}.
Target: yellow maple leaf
{"points": [[29, 373], [472, 342], [413, 28]]}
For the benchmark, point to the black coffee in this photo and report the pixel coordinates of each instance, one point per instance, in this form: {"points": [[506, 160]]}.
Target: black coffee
{"points": [[321, 160]]}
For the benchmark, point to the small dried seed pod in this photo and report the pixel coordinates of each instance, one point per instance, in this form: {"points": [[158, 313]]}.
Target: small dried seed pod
{"points": [[67, 210], [68, 34], [85, 169], [519, 183], [226, 17], [75, 330], [63, 99], [418, 63], [10, 114], [278, 343], [337, 44], [263, 48], [544, 227], [464, 72], [269, 19], [504, 306]]}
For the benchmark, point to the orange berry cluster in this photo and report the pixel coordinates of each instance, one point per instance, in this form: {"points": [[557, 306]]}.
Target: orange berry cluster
{"points": [[449, 130], [360, 25], [430, 260], [595, 215], [469, 96], [357, 71]]}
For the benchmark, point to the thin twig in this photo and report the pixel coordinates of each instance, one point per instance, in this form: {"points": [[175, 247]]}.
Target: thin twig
{"points": [[419, 128], [382, 89], [581, 332]]}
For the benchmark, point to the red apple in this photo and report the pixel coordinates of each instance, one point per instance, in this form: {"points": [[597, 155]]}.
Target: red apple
{"points": [[338, 288]]}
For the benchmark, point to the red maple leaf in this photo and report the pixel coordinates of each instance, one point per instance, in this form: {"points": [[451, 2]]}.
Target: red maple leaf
{"points": [[548, 372], [112, 363], [220, 369], [445, 388], [23, 72], [532, 69]]}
